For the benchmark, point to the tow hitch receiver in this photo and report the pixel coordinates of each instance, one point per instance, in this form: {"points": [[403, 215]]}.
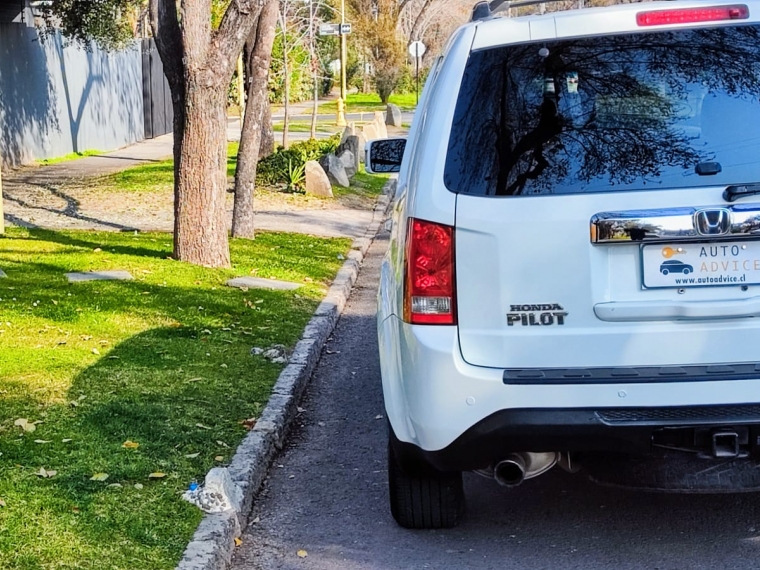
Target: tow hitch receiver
{"points": [[725, 444]]}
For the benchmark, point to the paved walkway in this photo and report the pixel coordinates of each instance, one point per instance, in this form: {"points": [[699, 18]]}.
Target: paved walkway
{"points": [[52, 197]]}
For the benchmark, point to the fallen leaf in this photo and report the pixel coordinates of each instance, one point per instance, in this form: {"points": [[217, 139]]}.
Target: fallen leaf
{"points": [[192, 455], [256, 520], [99, 477], [115, 485], [66, 440], [157, 475], [74, 403], [218, 442], [45, 474], [2, 503], [41, 441], [219, 458], [202, 426], [249, 423], [54, 302], [379, 417], [138, 486], [95, 351], [302, 554], [97, 250], [130, 444], [25, 425]]}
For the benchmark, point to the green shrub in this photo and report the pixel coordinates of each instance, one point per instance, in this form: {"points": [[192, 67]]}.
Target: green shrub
{"points": [[280, 167]]}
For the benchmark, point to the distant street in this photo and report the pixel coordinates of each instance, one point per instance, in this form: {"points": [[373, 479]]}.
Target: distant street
{"points": [[327, 495]]}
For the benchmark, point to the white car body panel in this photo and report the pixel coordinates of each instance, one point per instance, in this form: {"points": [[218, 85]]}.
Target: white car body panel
{"points": [[438, 381]]}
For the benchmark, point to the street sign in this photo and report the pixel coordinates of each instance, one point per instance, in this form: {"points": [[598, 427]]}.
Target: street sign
{"points": [[345, 29], [329, 29], [417, 49]]}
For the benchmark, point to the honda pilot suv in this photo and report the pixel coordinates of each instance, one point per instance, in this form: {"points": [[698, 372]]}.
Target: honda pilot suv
{"points": [[573, 276]]}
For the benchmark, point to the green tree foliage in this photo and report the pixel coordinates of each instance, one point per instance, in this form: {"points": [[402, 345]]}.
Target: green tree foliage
{"points": [[109, 23], [376, 30]]}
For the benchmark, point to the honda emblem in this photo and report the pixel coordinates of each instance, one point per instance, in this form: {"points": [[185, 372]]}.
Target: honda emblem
{"points": [[714, 222]]}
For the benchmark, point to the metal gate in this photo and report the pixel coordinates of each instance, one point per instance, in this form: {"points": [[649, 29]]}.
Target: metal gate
{"points": [[157, 98]]}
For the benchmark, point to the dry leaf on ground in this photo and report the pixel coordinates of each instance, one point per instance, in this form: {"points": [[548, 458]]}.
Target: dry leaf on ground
{"points": [[157, 475], [45, 474], [302, 554], [25, 425], [129, 444], [99, 477]]}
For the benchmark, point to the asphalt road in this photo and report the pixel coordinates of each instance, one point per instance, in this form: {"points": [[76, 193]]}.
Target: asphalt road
{"points": [[327, 495]]}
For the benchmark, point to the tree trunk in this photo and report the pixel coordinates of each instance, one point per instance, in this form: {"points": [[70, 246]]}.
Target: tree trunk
{"points": [[259, 55], [200, 224], [199, 63], [267, 131], [286, 96]]}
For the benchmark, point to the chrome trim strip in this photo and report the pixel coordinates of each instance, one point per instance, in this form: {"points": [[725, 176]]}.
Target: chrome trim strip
{"points": [[636, 311], [676, 224]]}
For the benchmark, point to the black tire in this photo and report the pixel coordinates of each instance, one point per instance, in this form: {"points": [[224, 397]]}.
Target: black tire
{"points": [[686, 271], [424, 500], [664, 271]]}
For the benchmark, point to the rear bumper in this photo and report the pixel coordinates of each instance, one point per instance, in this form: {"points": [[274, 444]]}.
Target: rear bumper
{"points": [[435, 400], [615, 430]]}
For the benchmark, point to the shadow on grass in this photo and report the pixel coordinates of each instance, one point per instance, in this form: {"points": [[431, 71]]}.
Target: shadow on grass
{"points": [[91, 241]]}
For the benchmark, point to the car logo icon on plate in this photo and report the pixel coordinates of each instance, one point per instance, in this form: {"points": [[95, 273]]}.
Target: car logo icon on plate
{"points": [[715, 222]]}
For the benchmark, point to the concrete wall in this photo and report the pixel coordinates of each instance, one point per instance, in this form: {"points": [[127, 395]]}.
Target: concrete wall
{"points": [[57, 98]]}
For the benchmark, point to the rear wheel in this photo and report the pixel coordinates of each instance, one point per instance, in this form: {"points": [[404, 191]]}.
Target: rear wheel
{"points": [[425, 498]]}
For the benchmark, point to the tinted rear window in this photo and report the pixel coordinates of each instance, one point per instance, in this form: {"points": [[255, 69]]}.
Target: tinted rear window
{"points": [[616, 113]]}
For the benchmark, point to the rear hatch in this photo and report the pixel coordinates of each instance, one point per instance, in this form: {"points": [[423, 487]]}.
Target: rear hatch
{"points": [[591, 224]]}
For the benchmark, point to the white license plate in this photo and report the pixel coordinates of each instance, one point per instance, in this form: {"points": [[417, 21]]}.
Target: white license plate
{"points": [[701, 264]]}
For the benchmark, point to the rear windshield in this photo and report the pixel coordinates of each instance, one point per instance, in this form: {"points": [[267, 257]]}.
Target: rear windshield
{"points": [[618, 113]]}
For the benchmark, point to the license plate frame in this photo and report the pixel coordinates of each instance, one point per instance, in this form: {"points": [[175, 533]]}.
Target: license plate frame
{"points": [[700, 264]]}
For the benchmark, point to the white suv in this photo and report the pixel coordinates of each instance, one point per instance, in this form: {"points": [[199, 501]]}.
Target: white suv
{"points": [[574, 269]]}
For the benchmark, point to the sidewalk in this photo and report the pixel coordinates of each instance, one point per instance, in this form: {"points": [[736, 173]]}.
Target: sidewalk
{"points": [[53, 197]]}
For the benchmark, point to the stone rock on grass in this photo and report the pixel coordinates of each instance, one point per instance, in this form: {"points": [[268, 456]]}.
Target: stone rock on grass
{"points": [[393, 116], [362, 144], [260, 283], [317, 182], [349, 131], [336, 172], [352, 145], [382, 130], [99, 276], [370, 132], [348, 160]]}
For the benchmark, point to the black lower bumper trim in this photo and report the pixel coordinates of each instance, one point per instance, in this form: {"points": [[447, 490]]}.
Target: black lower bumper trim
{"points": [[620, 430], [637, 374]]}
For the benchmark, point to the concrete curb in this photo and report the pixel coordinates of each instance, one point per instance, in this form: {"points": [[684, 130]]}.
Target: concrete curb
{"points": [[213, 543]]}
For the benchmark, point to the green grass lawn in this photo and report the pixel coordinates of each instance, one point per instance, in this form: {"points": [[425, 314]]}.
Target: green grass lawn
{"points": [[159, 177], [305, 127], [153, 176], [163, 361], [69, 157], [368, 102]]}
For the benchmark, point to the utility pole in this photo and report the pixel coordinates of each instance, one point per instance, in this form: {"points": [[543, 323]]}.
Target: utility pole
{"points": [[341, 118]]}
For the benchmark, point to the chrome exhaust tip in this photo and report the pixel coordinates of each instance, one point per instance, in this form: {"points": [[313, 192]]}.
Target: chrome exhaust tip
{"points": [[510, 472]]}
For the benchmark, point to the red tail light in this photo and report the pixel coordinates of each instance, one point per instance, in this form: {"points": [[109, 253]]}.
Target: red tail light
{"points": [[691, 15], [429, 288]]}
